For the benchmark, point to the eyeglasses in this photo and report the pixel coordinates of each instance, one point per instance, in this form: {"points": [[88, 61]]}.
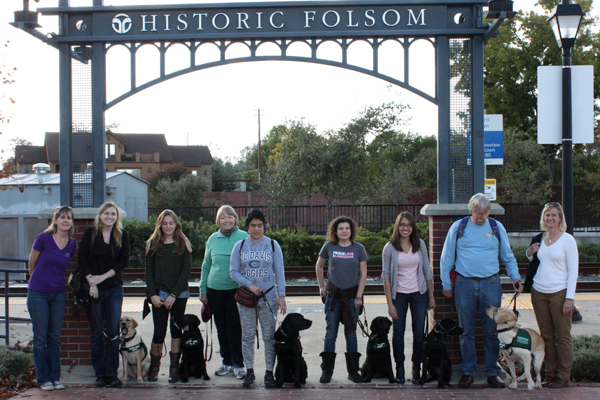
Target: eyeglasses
{"points": [[403, 226], [552, 204]]}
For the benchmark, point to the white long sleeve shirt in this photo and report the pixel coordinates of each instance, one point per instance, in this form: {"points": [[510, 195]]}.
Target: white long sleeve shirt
{"points": [[559, 266]]}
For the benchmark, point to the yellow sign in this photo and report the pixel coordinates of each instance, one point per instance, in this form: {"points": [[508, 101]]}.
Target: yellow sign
{"points": [[490, 189]]}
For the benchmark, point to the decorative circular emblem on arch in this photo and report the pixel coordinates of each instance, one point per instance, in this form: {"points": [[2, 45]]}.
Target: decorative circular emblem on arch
{"points": [[121, 23]]}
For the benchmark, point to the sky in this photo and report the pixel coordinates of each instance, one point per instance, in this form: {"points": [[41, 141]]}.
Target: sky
{"points": [[217, 107]]}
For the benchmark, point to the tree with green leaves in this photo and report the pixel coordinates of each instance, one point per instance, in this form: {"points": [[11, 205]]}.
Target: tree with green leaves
{"points": [[511, 60], [337, 164], [223, 176], [173, 173], [188, 191]]}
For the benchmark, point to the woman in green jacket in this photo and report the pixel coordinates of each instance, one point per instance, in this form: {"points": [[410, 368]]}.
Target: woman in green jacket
{"points": [[218, 289]]}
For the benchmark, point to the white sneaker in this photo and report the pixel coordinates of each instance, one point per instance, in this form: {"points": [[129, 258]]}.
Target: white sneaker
{"points": [[239, 373], [224, 370], [57, 385], [47, 386]]}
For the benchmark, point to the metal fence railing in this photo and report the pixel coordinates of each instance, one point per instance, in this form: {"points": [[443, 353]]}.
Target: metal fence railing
{"points": [[7, 295], [518, 217], [311, 218]]}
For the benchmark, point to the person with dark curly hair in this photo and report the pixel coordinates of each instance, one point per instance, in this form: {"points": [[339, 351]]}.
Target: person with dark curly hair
{"points": [[257, 264], [343, 294]]}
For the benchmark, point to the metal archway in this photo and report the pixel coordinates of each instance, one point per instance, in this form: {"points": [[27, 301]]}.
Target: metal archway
{"points": [[455, 29]]}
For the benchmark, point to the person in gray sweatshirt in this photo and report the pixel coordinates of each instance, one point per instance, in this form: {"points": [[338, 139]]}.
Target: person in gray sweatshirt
{"points": [[257, 264]]}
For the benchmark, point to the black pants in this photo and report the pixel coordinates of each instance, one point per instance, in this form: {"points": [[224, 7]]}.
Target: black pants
{"points": [[227, 320], [160, 316]]}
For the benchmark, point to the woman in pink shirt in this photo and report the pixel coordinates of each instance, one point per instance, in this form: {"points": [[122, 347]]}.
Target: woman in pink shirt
{"points": [[407, 281]]}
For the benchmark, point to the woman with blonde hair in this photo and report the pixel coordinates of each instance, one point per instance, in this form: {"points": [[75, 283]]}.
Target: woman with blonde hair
{"points": [[50, 256], [103, 255], [553, 292], [217, 289], [168, 268]]}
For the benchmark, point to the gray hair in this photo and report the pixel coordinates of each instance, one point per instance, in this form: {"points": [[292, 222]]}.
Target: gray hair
{"points": [[479, 201]]}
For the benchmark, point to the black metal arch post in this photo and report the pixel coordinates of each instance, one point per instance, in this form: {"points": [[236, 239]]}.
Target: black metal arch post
{"points": [[86, 34]]}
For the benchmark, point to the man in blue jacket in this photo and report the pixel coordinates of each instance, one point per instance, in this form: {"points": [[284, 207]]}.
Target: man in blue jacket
{"points": [[472, 249]]}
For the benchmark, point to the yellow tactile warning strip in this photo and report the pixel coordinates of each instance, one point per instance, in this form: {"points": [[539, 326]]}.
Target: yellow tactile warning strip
{"points": [[136, 305]]}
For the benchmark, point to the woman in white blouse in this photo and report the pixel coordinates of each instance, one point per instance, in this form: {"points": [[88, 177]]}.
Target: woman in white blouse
{"points": [[553, 292]]}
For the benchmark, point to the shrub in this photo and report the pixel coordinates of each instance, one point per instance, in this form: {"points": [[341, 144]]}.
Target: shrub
{"points": [[14, 363], [298, 246], [139, 233], [586, 359]]}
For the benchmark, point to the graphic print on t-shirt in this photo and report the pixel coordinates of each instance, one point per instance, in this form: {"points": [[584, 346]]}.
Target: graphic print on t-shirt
{"points": [[257, 262], [343, 254]]}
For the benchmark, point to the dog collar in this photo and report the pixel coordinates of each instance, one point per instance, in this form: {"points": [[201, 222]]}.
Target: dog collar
{"points": [[126, 340], [510, 328], [282, 331]]}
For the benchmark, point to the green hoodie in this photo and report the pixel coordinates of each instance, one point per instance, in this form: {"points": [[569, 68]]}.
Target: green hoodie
{"points": [[215, 268]]}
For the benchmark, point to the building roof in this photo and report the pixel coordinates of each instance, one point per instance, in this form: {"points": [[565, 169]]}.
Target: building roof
{"points": [[30, 154], [52, 178], [191, 156], [143, 143], [146, 143]]}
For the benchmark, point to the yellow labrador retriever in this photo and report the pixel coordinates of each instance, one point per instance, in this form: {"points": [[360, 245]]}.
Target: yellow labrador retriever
{"points": [[136, 358], [518, 345]]}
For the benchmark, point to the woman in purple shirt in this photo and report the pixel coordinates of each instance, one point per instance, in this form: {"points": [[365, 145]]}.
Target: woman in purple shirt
{"points": [[48, 261]]}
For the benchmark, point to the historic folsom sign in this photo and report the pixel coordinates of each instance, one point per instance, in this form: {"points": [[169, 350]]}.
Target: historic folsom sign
{"points": [[231, 21]]}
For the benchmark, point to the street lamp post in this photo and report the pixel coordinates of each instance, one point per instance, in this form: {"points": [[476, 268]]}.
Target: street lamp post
{"points": [[565, 20]]}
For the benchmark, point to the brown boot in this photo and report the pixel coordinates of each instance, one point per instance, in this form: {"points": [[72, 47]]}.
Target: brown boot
{"points": [[154, 368], [174, 368]]}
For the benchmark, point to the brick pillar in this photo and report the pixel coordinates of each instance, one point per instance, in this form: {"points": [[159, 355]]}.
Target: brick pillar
{"points": [[441, 217], [75, 336]]}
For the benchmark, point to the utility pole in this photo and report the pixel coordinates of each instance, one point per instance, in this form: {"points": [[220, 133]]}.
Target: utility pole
{"points": [[259, 164]]}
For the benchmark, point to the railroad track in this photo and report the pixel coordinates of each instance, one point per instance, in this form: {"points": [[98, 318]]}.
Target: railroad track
{"points": [[308, 272]]}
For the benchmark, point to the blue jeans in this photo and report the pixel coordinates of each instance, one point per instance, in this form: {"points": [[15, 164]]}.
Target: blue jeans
{"points": [[472, 297], [229, 329], [332, 320], [105, 351], [418, 310], [46, 311]]}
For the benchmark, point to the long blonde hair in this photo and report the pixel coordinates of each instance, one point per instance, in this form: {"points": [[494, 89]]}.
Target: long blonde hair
{"points": [[57, 213], [157, 239], [562, 226], [117, 229]]}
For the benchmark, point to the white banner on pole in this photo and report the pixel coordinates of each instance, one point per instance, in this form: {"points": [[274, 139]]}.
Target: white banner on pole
{"points": [[550, 104]]}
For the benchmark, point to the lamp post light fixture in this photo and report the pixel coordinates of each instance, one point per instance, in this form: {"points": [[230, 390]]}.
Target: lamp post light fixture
{"points": [[565, 20]]}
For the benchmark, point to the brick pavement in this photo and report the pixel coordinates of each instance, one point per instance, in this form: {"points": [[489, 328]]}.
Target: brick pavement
{"points": [[329, 392]]}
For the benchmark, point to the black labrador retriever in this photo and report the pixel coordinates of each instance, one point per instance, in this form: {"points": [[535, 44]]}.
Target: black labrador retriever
{"points": [[435, 356], [192, 346], [291, 366], [378, 363]]}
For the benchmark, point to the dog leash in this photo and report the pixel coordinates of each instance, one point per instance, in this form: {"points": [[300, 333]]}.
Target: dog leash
{"points": [[206, 356], [363, 327], [513, 301]]}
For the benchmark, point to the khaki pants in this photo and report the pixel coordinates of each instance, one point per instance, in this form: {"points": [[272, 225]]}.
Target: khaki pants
{"points": [[555, 328]]}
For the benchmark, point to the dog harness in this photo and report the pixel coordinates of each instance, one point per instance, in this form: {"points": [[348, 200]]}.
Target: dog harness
{"points": [[377, 346], [140, 345], [522, 340]]}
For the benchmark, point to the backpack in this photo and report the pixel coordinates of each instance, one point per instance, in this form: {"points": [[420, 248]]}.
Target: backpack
{"points": [[461, 231]]}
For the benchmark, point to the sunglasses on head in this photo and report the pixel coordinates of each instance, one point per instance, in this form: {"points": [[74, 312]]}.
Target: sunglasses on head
{"points": [[552, 204]]}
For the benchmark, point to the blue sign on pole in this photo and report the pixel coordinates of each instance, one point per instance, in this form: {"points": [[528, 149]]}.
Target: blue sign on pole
{"points": [[493, 153]]}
